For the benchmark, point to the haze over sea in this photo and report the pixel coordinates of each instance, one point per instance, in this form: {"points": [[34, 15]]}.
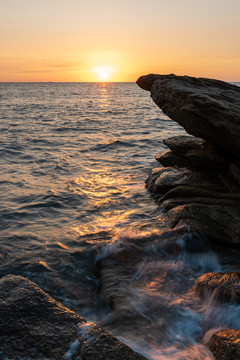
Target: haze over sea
{"points": [[75, 216]]}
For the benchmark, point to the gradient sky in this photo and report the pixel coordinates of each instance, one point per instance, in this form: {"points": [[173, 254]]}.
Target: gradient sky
{"points": [[75, 40]]}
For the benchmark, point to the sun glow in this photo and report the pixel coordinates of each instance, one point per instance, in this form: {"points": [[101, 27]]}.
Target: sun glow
{"points": [[103, 73]]}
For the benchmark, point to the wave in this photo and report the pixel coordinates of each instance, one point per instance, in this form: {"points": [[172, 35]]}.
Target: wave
{"points": [[111, 145]]}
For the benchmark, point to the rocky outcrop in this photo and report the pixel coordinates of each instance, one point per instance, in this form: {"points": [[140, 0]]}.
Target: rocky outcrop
{"points": [[225, 344], [224, 286], [206, 108], [199, 184], [35, 326], [201, 195]]}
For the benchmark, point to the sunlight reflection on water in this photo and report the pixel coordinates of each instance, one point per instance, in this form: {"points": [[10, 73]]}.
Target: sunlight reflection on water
{"points": [[77, 219]]}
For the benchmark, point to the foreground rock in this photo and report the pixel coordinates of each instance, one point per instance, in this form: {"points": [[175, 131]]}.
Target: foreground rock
{"points": [[35, 326], [206, 108], [224, 286], [225, 344]]}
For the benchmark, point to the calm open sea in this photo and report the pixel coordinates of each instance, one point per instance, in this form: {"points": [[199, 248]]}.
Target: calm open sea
{"points": [[75, 216]]}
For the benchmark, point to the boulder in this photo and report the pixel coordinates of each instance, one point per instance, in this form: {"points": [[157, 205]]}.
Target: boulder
{"points": [[206, 108], [219, 223], [225, 344], [225, 286], [35, 326]]}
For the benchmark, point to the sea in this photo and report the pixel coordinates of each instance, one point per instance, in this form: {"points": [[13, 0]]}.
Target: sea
{"points": [[76, 218]]}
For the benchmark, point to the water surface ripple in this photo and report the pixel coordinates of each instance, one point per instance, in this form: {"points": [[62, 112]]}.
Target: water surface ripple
{"points": [[76, 218]]}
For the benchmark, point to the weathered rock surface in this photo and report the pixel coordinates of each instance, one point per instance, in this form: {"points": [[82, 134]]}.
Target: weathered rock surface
{"points": [[162, 180], [169, 158], [200, 181], [207, 201], [219, 223], [182, 144], [206, 108], [225, 286], [35, 326], [198, 153], [225, 344]]}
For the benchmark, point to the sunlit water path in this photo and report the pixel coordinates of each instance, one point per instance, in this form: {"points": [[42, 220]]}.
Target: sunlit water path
{"points": [[76, 217]]}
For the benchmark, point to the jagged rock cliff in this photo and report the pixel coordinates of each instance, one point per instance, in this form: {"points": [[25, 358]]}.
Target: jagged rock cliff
{"points": [[206, 108], [200, 182]]}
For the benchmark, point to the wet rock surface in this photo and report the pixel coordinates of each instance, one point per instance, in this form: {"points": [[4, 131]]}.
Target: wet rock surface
{"points": [[35, 326], [225, 344], [224, 286]]}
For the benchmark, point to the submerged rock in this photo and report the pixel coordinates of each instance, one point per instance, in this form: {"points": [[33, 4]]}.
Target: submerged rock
{"points": [[35, 326], [206, 108], [225, 286], [225, 344]]}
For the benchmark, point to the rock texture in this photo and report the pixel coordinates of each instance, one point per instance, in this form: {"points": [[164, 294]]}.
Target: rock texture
{"points": [[206, 108], [224, 286], [199, 183], [35, 326], [225, 344]]}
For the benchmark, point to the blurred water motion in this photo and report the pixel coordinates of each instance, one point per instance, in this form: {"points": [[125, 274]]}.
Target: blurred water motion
{"points": [[77, 219]]}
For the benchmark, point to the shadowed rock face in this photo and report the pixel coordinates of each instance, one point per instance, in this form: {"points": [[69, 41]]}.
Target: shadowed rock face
{"points": [[197, 188], [35, 326], [200, 180], [206, 108]]}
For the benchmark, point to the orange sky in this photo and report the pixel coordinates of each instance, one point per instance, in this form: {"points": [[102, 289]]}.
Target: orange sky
{"points": [[112, 40]]}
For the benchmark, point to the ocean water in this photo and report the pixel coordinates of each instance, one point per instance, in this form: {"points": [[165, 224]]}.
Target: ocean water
{"points": [[75, 216]]}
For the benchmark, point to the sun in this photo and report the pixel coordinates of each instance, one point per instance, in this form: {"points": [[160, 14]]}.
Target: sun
{"points": [[103, 73]]}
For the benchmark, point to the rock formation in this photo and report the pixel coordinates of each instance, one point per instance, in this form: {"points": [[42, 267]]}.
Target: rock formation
{"points": [[224, 286], [204, 107], [35, 326], [199, 182], [225, 344]]}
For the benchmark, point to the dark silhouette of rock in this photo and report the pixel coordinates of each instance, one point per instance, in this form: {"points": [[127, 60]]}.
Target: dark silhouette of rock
{"points": [[221, 224], [206, 108], [169, 158], [225, 344], [184, 143], [200, 182], [162, 180], [35, 326], [199, 153], [225, 286], [187, 151]]}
